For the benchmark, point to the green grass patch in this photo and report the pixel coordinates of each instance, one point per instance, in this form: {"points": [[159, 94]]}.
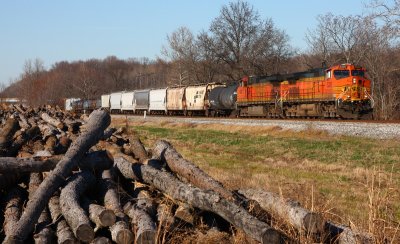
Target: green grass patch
{"points": [[337, 170]]}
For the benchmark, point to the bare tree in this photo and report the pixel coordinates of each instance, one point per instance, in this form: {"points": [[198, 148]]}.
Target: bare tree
{"points": [[33, 82], [182, 52], [389, 11], [242, 40], [118, 71], [336, 38]]}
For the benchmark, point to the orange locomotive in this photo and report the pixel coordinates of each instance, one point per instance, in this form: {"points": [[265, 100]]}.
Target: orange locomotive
{"points": [[341, 91]]}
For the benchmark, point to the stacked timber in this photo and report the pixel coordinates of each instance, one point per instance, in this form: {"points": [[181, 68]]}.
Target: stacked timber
{"points": [[68, 179]]}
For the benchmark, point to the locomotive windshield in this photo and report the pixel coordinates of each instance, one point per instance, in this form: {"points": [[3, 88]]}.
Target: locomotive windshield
{"points": [[339, 74], [357, 73]]}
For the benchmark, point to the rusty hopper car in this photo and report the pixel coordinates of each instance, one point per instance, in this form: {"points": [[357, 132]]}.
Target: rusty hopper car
{"points": [[197, 99], [176, 100], [158, 101], [127, 102], [141, 101]]}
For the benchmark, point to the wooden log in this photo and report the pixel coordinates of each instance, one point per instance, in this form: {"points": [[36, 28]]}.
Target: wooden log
{"points": [[97, 160], [146, 231], [120, 232], [47, 130], [345, 235], [23, 122], [108, 133], [7, 133], [22, 140], [53, 121], [50, 144], [203, 199], [32, 121], [98, 121], [101, 240], [64, 232], [63, 144], [14, 202], [138, 149], [19, 108], [71, 209], [165, 151], [109, 192], [98, 214], [43, 232], [144, 199], [289, 210]]}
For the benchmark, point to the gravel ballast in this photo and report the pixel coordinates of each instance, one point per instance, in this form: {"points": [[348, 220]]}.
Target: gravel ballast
{"points": [[349, 128]]}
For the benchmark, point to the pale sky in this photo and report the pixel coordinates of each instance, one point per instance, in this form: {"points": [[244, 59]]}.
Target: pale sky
{"points": [[72, 30]]}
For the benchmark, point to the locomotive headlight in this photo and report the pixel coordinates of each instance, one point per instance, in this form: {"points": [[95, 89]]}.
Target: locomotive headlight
{"points": [[354, 80]]}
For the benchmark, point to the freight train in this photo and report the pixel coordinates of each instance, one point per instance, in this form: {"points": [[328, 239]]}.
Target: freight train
{"points": [[341, 91]]}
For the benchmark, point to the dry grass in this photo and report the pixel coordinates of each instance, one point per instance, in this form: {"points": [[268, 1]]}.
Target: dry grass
{"points": [[350, 180]]}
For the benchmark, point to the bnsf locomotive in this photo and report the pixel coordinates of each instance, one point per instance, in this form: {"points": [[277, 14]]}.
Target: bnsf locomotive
{"points": [[342, 91]]}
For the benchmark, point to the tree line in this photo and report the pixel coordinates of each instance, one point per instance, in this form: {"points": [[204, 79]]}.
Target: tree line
{"points": [[238, 42]]}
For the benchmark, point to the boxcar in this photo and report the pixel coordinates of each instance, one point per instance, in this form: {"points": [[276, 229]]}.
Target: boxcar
{"points": [[176, 100], [158, 101], [127, 102], [141, 101], [115, 102], [105, 101]]}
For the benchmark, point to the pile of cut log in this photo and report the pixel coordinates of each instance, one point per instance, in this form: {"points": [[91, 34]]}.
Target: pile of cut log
{"points": [[65, 179]]}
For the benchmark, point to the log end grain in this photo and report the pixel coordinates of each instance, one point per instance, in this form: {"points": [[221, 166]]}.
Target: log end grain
{"points": [[67, 242], [85, 233], [314, 223], [270, 236], [124, 237], [101, 240], [107, 217], [121, 233]]}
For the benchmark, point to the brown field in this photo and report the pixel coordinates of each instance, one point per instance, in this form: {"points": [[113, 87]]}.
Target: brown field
{"points": [[350, 180]]}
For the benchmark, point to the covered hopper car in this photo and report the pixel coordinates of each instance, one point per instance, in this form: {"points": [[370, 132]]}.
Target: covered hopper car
{"points": [[158, 101], [127, 102], [141, 101]]}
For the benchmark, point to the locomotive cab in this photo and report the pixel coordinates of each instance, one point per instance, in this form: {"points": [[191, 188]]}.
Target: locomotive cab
{"points": [[352, 90], [351, 83]]}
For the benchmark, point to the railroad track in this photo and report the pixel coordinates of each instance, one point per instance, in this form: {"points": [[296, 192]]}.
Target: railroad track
{"points": [[362, 128]]}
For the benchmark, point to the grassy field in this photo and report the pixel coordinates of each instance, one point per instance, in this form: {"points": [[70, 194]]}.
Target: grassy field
{"points": [[351, 180]]}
